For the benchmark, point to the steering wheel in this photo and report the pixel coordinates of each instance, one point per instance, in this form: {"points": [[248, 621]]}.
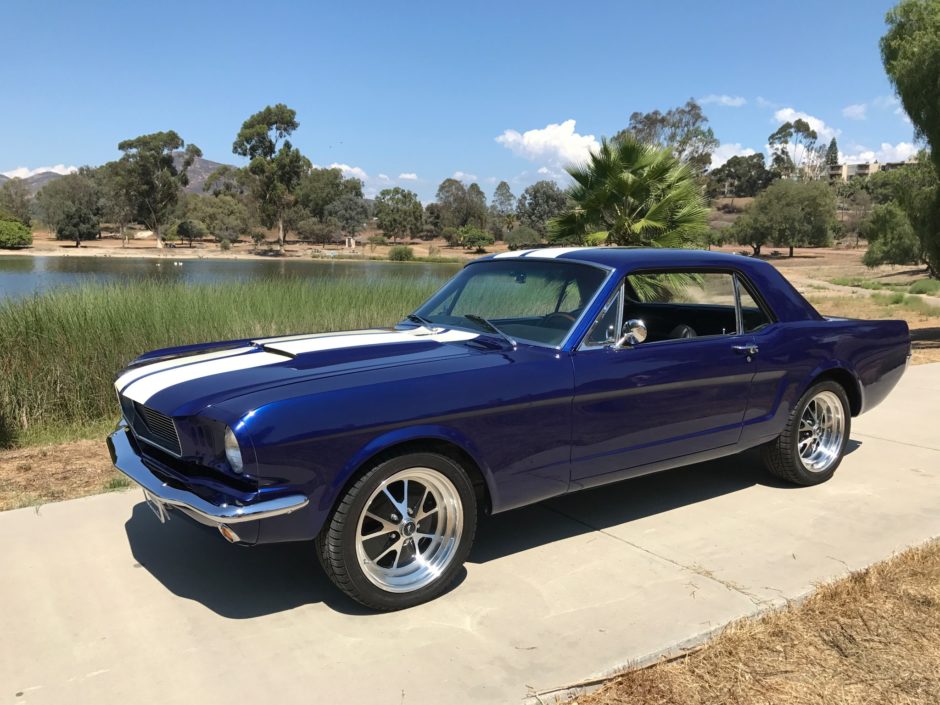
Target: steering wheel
{"points": [[566, 318]]}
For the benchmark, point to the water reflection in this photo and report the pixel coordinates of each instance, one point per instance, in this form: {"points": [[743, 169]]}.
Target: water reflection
{"points": [[25, 276]]}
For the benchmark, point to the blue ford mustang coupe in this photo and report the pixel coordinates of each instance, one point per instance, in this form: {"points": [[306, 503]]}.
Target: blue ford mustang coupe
{"points": [[528, 375]]}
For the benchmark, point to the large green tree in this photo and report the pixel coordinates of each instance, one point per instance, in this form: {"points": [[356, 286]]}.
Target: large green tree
{"points": [[832, 153], [116, 195], [683, 130], [78, 223], [399, 212], [225, 216], [275, 166], [349, 212], [789, 214], [891, 239], [63, 196], [910, 51], [539, 203], [322, 187], [154, 178], [794, 150], [15, 200], [637, 194], [739, 177]]}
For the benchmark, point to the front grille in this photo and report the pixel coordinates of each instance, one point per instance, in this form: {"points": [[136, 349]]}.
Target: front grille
{"points": [[156, 428]]}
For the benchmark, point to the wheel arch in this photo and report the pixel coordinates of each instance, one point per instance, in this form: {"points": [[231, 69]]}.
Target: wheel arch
{"points": [[845, 379], [424, 439]]}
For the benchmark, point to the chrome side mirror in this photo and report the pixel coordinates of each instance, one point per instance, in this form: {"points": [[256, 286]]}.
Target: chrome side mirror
{"points": [[632, 333]]}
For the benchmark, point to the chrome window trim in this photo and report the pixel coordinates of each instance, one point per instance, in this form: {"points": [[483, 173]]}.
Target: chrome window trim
{"points": [[618, 292]]}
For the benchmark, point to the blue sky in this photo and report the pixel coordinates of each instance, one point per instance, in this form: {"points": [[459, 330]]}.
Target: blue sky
{"points": [[411, 93]]}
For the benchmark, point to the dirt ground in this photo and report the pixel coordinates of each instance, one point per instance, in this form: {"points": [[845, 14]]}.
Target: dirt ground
{"points": [[873, 637], [45, 245], [42, 474]]}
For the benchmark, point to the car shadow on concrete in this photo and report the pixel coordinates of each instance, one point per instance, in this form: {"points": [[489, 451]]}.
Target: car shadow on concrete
{"points": [[194, 562]]}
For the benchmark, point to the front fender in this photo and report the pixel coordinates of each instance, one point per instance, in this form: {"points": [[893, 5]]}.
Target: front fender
{"points": [[398, 437]]}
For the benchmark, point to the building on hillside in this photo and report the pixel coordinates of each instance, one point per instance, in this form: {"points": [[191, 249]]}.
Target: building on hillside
{"points": [[847, 172]]}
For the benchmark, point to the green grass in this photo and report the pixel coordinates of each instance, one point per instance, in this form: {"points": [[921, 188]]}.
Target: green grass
{"points": [[861, 283], [931, 287], [907, 303], [61, 350]]}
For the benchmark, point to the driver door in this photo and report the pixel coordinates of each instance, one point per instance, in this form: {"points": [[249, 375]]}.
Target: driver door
{"points": [[678, 393]]}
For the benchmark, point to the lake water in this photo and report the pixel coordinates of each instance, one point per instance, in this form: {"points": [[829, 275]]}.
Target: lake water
{"points": [[25, 276]]}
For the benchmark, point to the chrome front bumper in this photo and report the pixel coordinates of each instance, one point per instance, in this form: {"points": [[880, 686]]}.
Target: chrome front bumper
{"points": [[161, 495]]}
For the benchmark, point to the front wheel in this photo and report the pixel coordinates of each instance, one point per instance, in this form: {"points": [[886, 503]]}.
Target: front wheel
{"points": [[401, 533], [813, 443]]}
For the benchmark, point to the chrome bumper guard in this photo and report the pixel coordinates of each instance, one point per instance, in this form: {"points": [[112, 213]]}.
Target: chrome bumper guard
{"points": [[161, 495]]}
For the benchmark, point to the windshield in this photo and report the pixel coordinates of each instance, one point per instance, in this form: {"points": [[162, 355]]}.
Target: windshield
{"points": [[535, 301]]}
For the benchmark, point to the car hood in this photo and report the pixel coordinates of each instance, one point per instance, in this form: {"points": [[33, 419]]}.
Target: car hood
{"points": [[183, 384]]}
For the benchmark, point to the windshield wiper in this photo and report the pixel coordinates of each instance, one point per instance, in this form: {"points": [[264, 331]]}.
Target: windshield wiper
{"points": [[479, 319], [421, 321]]}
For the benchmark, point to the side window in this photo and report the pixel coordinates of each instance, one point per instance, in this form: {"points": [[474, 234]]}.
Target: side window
{"points": [[753, 317], [607, 326], [680, 304]]}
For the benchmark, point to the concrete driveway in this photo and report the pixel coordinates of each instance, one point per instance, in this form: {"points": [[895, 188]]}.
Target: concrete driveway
{"points": [[103, 605]]}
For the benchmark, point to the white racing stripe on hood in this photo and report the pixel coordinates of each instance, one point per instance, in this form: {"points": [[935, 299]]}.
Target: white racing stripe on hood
{"points": [[144, 370], [309, 336], [337, 342], [141, 390], [144, 385]]}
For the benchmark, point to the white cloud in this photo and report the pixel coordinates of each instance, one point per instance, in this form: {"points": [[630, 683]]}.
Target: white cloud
{"points": [[350, 170], [464, 176], [856, 111], [555, 145], [23, 172], [383, 177], [762, 102], [408, 176], [824, 131], [902, 151], [729, 101], [727, 150], [885, 101]]}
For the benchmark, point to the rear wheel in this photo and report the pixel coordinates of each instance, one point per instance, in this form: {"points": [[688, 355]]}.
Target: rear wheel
{"points": [[401, 533], [813, 443]]}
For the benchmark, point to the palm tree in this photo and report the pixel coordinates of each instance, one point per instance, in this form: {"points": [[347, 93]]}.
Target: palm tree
{"points": [[638, 194]]}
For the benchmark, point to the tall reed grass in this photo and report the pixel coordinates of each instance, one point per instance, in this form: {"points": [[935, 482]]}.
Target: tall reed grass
{"points": [[59, 351]]}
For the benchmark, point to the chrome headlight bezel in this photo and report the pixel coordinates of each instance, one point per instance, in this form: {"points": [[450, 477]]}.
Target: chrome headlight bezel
{"points": [[233, 452]]}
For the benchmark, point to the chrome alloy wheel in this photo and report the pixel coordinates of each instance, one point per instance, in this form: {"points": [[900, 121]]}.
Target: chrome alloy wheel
{"points": [[409, 531], [822, 429]]}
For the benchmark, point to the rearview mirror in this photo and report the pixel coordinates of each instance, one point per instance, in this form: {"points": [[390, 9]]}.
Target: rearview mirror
{"points": [[632, 333]]}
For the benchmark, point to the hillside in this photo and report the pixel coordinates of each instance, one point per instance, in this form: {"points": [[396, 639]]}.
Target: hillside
{"points": [[198, 173]]}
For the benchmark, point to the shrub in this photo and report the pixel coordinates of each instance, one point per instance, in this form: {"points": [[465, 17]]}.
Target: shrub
{"points": [[376, 241], [14, 234], [596, 239], [225, 244], [891, 239], [257, 237], [523, 237], [926, 286], [451, 236], [475, 239], [313, 230], [401, 253]]}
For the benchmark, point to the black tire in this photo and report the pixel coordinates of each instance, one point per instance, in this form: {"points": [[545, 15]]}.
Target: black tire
{"points": [[782, 457], [337, 541]]}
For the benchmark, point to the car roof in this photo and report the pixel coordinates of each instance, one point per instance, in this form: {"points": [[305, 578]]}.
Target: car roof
{"points": [[631, 258]]}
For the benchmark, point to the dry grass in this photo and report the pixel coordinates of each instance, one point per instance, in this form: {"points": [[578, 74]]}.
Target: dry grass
{"points": [[42, 474], [873, 637]]}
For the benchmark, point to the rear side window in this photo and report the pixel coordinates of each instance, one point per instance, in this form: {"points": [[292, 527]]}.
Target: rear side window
{"points": [[753, 317]]}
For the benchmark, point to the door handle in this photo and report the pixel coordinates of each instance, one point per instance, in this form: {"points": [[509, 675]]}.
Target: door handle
{"points": [[750, 349]]}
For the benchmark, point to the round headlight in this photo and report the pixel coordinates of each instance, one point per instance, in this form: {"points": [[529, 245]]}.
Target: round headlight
{"points": [[232, 452]]}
